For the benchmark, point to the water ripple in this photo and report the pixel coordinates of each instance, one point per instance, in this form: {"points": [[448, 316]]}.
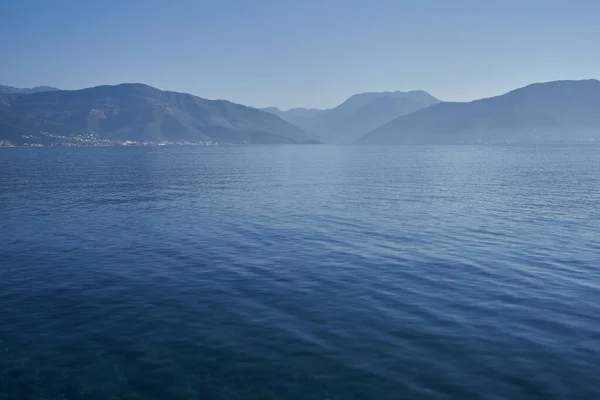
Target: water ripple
{"points": [[300, 273]]}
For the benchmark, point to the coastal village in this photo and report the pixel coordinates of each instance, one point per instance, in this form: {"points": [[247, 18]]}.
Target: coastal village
{"points": [[47, 139]]}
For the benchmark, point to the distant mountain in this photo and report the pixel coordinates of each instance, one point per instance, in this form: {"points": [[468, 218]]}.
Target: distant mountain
{"points": [[294, 112], [10, 89], [542, 112], [141, 113], [297, 116], [357, 115]]}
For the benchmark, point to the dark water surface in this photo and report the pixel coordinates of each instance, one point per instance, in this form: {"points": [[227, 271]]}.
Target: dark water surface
{"points": [[307, 272]]}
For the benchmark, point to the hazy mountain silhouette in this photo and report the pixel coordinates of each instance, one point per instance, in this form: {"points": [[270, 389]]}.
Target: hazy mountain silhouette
{"points": [[142, 113], [541, 112], [297, 116], [10, 89], [357, 115]]}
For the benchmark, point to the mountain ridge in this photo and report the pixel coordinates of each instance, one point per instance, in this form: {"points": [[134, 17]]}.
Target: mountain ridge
{"points": [[541, 111], [358, 114], [139, 112], [11, 90]]}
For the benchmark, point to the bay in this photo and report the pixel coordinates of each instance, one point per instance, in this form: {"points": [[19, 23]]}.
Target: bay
{"points": [[300, 272]]}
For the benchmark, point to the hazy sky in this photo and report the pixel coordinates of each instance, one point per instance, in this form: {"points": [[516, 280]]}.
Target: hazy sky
{"points": [[291, 53]]}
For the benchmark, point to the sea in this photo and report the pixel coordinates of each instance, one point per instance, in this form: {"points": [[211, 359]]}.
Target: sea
{"points": [[300, 272]]}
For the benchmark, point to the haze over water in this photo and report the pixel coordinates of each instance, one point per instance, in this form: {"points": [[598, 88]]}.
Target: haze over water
{"points": [[307, 272]]}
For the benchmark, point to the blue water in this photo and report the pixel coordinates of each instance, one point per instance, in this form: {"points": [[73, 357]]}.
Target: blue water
{"points": [[300, 272]]}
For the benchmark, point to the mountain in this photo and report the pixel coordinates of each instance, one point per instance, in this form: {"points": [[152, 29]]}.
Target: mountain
{"points": [[541, 112], [139, 112], [357, 115], [294, 112], [297, 116], [10, 89]]}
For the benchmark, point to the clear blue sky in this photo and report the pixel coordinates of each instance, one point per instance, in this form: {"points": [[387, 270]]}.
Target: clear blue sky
{"points": [[290, 53]]}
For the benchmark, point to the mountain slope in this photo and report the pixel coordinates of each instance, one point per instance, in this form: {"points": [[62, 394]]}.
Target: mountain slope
{"points": [[365, 112], [541, 112], [142, 113], [357, 115]]}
